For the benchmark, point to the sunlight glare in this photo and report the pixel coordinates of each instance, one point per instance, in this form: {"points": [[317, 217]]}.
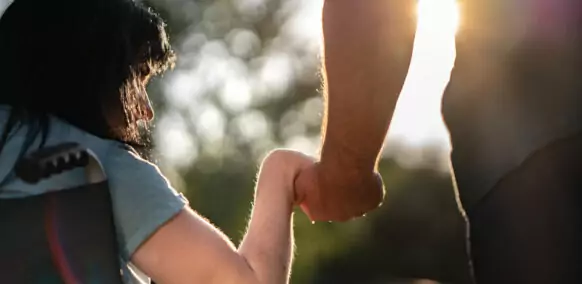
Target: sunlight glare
{"points": [[442, 16], [417, 120]]}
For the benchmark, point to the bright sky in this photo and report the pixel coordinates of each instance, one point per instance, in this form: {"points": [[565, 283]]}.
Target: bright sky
{"points": [[417, 122], [418, 119]]}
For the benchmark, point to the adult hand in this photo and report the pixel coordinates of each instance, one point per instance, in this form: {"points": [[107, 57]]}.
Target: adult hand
{"points": [[327, 194]]}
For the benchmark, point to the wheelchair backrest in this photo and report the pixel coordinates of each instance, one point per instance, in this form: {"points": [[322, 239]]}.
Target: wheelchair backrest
{"points": [[65, 236]]}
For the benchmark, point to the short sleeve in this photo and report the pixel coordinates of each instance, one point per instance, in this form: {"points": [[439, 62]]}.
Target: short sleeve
{"points": [[143, 199]]}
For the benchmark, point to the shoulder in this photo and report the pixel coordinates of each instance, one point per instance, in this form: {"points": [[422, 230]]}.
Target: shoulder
{"points": [[112, 154], [143, 198], [123, 163]]}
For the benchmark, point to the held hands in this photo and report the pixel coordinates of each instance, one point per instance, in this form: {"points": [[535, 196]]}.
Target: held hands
{"points": [[327, 194], [323, 193]]}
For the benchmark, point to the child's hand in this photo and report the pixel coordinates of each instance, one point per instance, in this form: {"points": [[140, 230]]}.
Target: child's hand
{"points": [[280, 169]]}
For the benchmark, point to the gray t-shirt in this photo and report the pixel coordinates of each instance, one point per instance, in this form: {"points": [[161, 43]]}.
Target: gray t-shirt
{"points": [[143, 199], [515, 87]]}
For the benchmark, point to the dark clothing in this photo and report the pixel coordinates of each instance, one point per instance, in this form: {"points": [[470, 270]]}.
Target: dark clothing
{"points": [[514, 112], [528, 228]]}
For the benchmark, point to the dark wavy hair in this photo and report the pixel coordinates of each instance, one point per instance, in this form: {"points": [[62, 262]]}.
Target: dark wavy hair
{"points": [[83, 61]]}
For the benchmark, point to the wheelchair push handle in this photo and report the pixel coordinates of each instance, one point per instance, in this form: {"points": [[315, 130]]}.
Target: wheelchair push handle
{"points": [[54, 160]]}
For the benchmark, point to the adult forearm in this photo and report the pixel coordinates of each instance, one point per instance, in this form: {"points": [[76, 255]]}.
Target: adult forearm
{"points": [[367, 51], [268, 244]]}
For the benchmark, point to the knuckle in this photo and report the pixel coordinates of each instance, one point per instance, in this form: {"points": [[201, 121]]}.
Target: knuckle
{"points": [[276, 156], [282, 154], [276, 153], [289, 157]]}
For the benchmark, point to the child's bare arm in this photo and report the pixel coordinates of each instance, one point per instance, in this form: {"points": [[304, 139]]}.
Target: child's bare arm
{"points": [[188, 249]]}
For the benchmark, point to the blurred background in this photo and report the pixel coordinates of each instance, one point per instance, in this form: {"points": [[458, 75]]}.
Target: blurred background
{"points": [[247, 81]]}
